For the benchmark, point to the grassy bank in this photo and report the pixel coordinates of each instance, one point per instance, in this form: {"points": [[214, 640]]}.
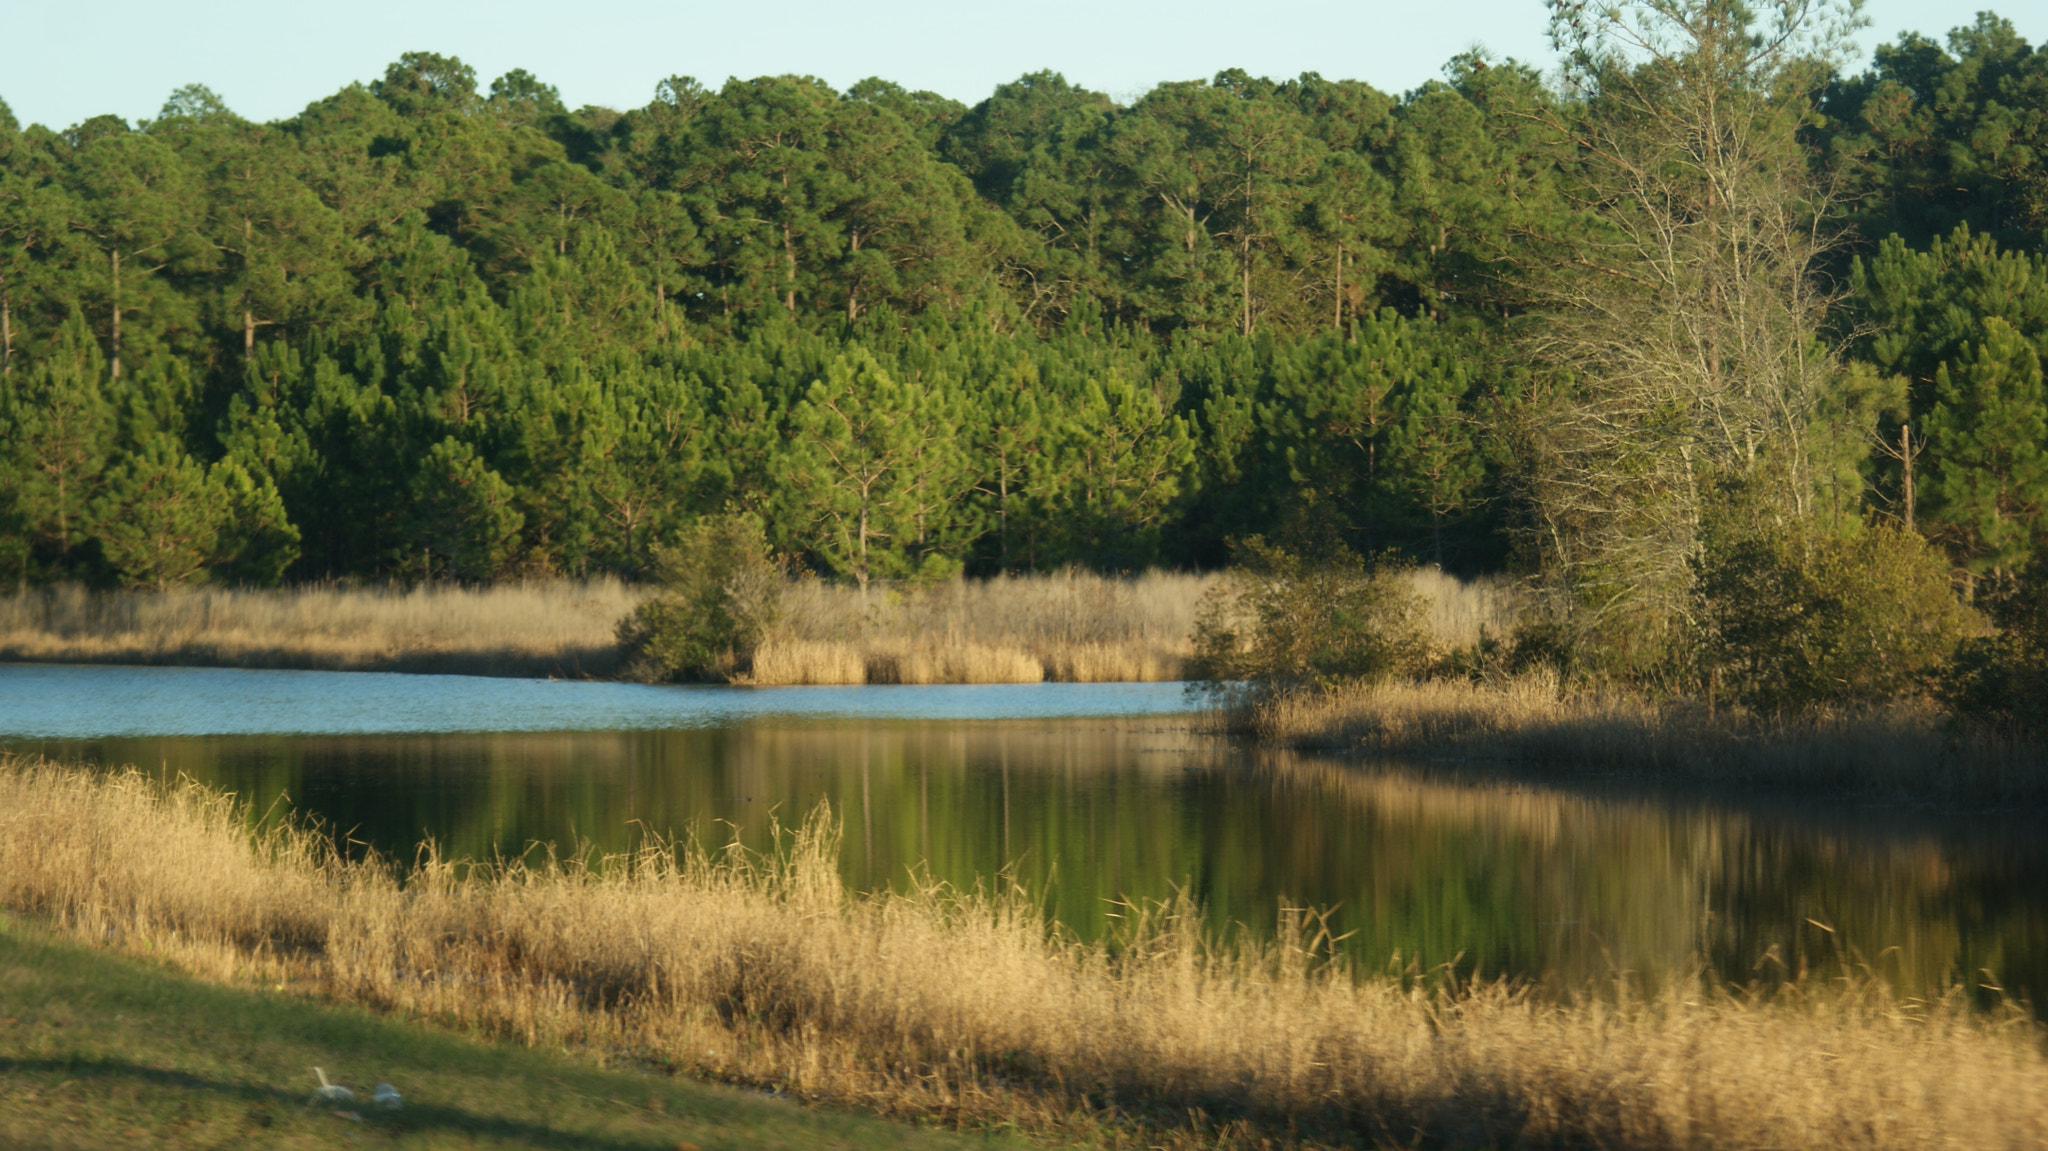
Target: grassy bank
{"points": [[101, 1050], [1907, 747], [1071, 627], [961, 1008], [559, 628], [1066, 626]]}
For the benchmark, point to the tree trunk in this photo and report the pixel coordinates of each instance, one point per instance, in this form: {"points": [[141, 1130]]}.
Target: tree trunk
{"points": [[789, 254], [63, 515], [6, 334], [1339, 310], [248, 336], [1906, 460], [1244, 255], [861, 571], [853, 294], [114, 261], [1003, 507]]}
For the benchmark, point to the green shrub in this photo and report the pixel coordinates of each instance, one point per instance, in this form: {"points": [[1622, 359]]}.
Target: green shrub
{"points": [[2001, 677], [1287, 624], [2004, 677], [1795, 619], [720, 593]]}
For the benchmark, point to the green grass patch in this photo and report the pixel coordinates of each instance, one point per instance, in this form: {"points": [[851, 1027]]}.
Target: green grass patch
{"points": [[100, 1050]]}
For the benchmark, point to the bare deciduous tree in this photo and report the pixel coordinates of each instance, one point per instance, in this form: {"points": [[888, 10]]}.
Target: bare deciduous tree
{"points": [[1687, 318]]}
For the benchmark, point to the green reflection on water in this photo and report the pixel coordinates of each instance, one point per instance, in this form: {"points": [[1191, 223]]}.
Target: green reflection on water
{"points": [[1085, 813]]}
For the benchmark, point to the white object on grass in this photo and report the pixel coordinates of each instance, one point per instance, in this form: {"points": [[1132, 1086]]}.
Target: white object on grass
{"points": [[387, 1097], [331, 1092]]}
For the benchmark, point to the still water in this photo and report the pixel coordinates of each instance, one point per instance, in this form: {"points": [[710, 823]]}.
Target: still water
{"points": [[1092, 795]]}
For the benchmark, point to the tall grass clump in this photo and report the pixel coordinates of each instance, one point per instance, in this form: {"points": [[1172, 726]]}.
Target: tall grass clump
{"points": [[964, 1007], [538, 628], [726, 613], [720, 609]]}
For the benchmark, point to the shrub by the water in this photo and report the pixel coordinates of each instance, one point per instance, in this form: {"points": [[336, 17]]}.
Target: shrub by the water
{"points": [[2003, 678], [1285, 623], [721, 592], [1801, 620]]}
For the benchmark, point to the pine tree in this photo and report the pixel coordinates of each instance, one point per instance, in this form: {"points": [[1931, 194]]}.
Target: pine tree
{"points": [[60, 431], [462, 522], [1988, 446], [875, 472]]}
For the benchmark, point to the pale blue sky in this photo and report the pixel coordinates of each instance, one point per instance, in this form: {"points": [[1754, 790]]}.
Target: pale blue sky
{"points": [[62, 62]]}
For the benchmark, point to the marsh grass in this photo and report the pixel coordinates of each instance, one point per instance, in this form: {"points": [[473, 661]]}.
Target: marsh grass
{"points": [[965, 1008], [1908, 746], [1069, 626], [559, 628]]}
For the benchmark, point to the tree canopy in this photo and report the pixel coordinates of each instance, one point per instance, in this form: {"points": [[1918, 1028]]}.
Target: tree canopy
{"points": [[436, 328]]}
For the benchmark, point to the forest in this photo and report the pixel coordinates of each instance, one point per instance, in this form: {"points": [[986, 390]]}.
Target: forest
{"points": [[1520, 319]]}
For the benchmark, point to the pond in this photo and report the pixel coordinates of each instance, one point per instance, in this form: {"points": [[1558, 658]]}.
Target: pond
{"points": [[1089, 796]]}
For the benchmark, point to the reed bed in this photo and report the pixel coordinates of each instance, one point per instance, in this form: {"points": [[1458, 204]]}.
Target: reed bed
{"points": [[964, 1008], [542, 628], [1462, 612], [1910, 746], [1069, 626]]}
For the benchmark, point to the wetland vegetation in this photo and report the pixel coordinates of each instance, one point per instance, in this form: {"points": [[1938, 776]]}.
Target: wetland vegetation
{"points": [[1674, 415], [763, 969]]}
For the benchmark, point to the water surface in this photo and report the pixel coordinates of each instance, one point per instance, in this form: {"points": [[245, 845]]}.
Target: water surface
{"points": [[51, 701], [1091, 796]]}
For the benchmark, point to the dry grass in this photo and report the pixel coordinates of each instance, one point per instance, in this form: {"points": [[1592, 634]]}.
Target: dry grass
{"points": [[1909, 747], [560, 628], [1016, 629], [1462, 611], [1068, 626], [962, 1008]]}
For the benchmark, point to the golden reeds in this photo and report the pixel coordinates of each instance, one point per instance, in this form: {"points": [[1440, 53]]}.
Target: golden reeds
{"points": [[965, 1008], [1903, 746], [554, 627], [1069, 626], [1460, 612]]}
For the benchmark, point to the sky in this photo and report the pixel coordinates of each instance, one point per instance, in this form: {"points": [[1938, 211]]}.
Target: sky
{"points": [[64, 62]]}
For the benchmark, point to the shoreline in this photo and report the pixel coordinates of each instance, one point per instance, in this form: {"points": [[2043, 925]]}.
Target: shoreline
{"points": [[1525, 730], [1529, 728], [496, 664], [1066, 627]]}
